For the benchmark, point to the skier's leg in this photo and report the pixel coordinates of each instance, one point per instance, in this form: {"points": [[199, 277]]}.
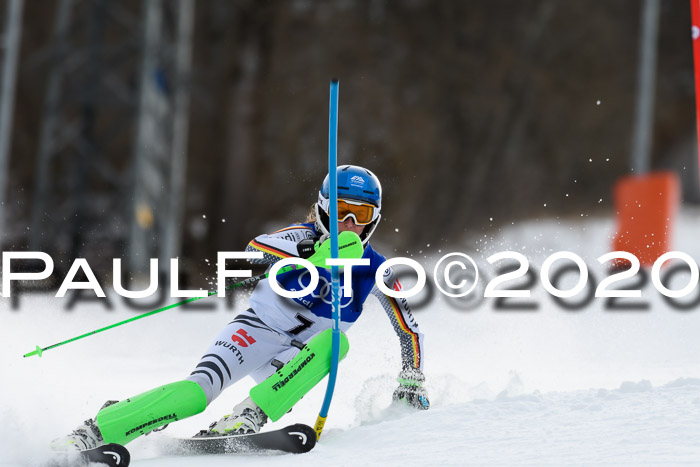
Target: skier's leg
{"points": [[283, 381], [286, 386], [121, 422], [243, 345], [126, 420], [247, 417], [238, 349]]}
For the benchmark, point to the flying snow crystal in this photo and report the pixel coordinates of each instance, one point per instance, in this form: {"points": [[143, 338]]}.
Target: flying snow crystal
{"points": [[223, 220], [545, 204], [491, 219], [590, 160], [396, 229], [204, 216], [597, 103]]}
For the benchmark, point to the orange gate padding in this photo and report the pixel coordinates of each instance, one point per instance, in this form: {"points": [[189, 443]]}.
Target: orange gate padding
{"points": [[646, 208]]}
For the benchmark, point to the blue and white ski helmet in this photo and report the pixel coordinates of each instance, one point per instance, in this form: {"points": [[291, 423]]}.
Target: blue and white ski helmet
{"points": [[354, 183]]}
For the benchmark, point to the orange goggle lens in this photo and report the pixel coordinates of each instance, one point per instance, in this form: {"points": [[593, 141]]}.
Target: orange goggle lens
{"points": [[361, 212]]}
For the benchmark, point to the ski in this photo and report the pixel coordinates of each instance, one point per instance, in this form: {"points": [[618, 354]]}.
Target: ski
{"points": [[113, 455], [295, 439]]}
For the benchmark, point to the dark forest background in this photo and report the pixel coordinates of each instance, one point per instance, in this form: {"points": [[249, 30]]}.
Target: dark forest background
{"points": [[474, 114]]}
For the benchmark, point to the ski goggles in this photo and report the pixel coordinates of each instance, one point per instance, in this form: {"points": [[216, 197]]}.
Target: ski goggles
{"points": [[362, 213]]}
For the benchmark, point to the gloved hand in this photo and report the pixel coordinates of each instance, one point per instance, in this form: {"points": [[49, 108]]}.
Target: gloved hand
{"points": [[306, 248], [321, 238], [411, 391]]}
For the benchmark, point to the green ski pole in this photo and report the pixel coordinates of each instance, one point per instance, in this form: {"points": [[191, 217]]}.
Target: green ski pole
{"points": [[352, 248], [40, 350]]}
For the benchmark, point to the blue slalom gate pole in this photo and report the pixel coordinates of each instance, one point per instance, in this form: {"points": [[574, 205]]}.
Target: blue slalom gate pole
{"points": [[335, 275]]}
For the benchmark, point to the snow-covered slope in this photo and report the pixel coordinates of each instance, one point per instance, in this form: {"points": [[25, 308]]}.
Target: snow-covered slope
{"points": [[546, 386]]}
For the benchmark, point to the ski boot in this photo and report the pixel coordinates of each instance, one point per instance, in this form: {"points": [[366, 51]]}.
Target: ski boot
{"points": [[86, 436], [246, 418]]}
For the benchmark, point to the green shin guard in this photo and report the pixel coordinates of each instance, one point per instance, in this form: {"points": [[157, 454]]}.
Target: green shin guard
{"points": [[127, 420], [278, 393]]}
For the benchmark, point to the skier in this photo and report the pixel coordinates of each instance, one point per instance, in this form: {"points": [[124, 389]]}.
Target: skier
{"points": [[271, 332]]}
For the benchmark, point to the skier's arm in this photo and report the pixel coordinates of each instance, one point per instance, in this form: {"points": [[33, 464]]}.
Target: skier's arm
{"points": [[279, 245], [411, 378], [405, 326]]}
